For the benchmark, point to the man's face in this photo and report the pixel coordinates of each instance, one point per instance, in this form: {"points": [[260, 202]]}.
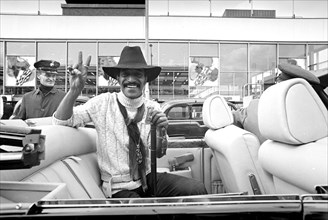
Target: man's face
{"points": [[132, 82], [47, 78]]}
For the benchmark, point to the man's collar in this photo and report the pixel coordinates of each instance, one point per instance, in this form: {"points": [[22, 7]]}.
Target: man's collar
{"points": [[53, 90], [130, 103]]}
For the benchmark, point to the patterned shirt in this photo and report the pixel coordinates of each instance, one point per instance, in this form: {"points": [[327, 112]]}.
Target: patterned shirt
{"points": [[35, 104], [113, 138]]}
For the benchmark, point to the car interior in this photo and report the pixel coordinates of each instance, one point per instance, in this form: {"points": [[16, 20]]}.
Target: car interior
{"points": [[294, 120], [292, 158], [235, 150]]}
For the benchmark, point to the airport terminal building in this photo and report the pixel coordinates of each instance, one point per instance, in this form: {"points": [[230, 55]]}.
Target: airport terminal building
{"points": [[235, 54]]}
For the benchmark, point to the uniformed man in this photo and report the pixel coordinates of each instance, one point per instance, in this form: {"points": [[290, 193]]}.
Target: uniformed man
{"points": [[43, 101]]}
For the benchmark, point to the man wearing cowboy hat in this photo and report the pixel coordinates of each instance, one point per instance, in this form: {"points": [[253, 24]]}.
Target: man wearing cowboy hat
{"points": [[43, 101], [122, 127]]}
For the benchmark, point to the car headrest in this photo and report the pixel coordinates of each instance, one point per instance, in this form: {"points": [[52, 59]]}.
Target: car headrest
{"points": [[292, 112], [216, 112]]}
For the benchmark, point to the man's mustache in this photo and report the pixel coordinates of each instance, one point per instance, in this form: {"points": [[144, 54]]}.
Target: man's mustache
{"points": [[126, 84]]}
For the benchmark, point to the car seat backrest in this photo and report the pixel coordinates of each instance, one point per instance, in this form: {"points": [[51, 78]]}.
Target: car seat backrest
{"points": [[60, 142], [70, 158], [291, 112], [235, 150], [251, 120], [294, 120]]}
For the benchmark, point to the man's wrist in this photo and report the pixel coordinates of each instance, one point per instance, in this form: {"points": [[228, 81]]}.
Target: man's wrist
{"points": [[73, 93]]}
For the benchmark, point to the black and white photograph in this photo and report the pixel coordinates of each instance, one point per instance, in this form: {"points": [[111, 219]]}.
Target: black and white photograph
{"points": [[164, 109]]}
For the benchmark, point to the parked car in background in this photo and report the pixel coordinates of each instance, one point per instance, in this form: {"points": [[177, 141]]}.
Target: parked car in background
{"points": [[81, 100], [185, 118]]}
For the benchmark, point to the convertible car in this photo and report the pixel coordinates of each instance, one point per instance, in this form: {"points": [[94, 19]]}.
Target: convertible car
{"points": [[50, 171]]}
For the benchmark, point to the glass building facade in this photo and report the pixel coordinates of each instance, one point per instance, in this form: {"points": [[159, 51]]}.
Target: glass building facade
{"points": [[201, 51], [233, 70]]}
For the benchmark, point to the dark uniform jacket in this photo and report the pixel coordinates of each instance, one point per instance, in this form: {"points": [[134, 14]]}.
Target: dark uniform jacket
{"points": [[37, 105]]}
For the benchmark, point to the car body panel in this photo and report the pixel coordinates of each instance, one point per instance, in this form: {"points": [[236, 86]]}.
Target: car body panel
{"points": [[59, 201]]}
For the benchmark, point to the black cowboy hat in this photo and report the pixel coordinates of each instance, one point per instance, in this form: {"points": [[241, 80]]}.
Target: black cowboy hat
{"points": [[132, 58]]}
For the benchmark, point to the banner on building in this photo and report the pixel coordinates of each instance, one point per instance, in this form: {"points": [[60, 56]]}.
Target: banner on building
{"points": [[203, 74], [20, 71], [203, 71], [106, 61]]}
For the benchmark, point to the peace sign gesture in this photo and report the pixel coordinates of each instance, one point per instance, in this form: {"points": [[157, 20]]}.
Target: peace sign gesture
{"points": [[78, 73]]}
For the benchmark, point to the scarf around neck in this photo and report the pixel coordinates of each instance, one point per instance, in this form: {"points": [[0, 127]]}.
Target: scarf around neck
{"points": [[137, 150]]}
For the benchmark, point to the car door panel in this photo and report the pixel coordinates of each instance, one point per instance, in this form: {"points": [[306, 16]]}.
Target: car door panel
{"points": [[203, 166]]}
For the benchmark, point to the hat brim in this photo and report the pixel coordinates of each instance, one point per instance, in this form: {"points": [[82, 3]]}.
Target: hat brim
{"points": [[151, 72], [294, 71], [53, 70]]}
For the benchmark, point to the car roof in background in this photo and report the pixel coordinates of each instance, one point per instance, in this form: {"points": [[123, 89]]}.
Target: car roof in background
{"points": [[82, 98]]}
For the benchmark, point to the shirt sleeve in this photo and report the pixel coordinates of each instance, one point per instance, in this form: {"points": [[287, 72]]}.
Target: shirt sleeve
{"points": [[239, 117], [21, 111], [80, 117]]}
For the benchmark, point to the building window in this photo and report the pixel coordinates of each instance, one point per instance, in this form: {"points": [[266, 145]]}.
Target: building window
{"points": [[262, 67], [233, 70], [154, 86], [54, 51], [19, 77], [317, 57], [174, 62], [293, 51], [1, 67], [209, 49], [109, 55]]}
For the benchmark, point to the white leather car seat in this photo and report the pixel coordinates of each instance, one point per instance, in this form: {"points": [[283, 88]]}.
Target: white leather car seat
{"points": [[294, 119], [235, 150]]}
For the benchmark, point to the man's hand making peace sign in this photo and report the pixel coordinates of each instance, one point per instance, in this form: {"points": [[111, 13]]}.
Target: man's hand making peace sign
{"points": [[78, 74]]}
